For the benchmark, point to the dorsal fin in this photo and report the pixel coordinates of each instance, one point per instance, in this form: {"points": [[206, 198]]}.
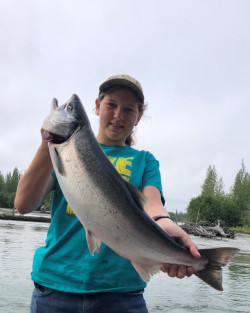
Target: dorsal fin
{"points": [[138, 196]]}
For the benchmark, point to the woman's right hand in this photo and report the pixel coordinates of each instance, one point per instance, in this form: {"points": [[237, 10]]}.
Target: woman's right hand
{"points": [[36, 182]]}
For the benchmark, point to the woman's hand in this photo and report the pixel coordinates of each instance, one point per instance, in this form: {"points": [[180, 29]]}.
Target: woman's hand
{"points": [[36, 182], [180, 271], [173, 270], [155, 208]]}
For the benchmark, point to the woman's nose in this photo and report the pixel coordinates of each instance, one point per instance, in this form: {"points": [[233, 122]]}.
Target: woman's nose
{"points": [[118, 114]]}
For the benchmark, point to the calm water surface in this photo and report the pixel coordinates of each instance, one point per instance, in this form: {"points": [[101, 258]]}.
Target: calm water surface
{"points": [[19, 240]]}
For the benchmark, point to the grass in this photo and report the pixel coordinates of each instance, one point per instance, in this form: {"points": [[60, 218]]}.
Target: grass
{"points": [[244, 229]]}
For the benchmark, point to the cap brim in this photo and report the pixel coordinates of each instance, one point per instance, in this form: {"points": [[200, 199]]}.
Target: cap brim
{"points": [[121, 82]]}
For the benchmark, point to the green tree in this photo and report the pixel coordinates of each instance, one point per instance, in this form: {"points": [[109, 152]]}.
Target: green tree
{"points": [[212, 185], [205, 209], [3, 199], [12, 180], [193, 209], [3, 195], [8, 186], [241, 188], [207, 206], [230, 212], [10, 200], [2, 182], [178, 216], [213, 203], [241, 193]]}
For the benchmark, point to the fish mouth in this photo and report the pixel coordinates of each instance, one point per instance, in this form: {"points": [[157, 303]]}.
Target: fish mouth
{"points": [[54, 138]]}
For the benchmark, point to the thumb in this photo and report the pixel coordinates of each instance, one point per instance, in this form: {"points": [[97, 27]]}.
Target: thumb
{"points": [[194, 251]]}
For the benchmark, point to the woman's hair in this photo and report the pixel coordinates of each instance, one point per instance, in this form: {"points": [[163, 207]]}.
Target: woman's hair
{"points": [[141, 106]]}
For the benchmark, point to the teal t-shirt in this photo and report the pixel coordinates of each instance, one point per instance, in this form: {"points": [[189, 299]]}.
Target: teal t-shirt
{"points": [[65, 263]]}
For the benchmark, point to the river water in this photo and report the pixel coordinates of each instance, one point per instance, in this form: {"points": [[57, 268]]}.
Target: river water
{"points": [[19, 240]]}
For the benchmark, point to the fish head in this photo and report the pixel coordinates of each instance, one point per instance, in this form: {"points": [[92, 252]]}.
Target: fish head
{"points": [[64, 120]]}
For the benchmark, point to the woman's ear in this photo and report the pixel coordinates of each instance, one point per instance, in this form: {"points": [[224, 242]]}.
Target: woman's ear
{"points": [[97, 106]]}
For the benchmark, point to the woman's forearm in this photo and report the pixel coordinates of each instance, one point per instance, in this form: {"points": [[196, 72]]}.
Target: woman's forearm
{"points": [[36, 182]]}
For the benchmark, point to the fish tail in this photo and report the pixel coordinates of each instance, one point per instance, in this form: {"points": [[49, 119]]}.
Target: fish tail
{"points": [[217, 258]]}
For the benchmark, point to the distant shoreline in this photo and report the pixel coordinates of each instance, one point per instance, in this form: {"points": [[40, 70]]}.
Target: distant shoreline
{"points": [[47, 219], [26, 218]]}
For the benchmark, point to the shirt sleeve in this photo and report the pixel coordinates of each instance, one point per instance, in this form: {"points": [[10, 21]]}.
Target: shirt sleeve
{"points": [[152, 175]]}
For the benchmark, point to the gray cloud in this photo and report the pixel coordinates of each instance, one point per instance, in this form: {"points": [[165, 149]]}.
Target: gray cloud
{"points": [[192, 59]]}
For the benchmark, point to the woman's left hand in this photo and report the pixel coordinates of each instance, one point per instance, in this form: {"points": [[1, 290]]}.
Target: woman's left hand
{"points": [[155, 208], [179, 271]]}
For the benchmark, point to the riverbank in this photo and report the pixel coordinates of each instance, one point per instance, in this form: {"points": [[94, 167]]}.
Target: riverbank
{"points": [[25, 218], [7, 214]]}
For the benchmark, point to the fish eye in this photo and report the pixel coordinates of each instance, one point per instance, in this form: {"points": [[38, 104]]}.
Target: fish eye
{"points": [[70, 107]]}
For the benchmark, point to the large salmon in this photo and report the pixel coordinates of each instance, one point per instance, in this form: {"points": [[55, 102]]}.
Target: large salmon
{"points": [[111, 209]]}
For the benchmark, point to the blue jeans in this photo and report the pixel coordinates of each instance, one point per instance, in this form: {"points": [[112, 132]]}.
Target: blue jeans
{"points": [[46, 300]]}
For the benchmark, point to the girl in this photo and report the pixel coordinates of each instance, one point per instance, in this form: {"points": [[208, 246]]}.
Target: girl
{"points": [[66, 277]]}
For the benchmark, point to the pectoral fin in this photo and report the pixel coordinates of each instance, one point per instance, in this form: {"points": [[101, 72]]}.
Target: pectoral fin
{"points": [[93, 242], [137, 195], [55, 157], [54, 105]]}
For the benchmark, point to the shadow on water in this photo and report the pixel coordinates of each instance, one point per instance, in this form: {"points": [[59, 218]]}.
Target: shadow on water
{"points": [[239, 265], [38, 228], [10, 226]]}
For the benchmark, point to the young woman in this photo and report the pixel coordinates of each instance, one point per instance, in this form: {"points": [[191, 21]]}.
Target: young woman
{"points": [[66, 277]]}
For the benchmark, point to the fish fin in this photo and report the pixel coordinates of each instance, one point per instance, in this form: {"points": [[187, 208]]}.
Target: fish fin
{"points": [[54, 105], [93, 242], [217, 258], [57, 160], [138, 196], [146, 271]]}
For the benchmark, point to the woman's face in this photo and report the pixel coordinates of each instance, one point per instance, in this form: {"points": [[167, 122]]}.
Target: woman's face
{"points": [[118, 114]]}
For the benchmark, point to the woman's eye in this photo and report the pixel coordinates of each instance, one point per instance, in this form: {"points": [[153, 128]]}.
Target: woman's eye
{"points": [[129, 110]]}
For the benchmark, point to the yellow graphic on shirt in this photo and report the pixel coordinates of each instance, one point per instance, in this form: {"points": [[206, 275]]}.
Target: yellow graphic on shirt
{"points": [[122, 165], [69, 210]]}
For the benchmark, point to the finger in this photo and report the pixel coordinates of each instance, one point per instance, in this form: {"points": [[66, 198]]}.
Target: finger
{"points": [[194, 251], [165, 267], [189, 271], [181, 271], [173, 270]]}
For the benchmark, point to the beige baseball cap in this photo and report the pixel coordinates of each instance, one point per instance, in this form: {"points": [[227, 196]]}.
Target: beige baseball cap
{"points": [[124, 80]]}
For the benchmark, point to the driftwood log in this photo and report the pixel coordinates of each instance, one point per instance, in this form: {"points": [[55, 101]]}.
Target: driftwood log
{"points": [[208, 231]]}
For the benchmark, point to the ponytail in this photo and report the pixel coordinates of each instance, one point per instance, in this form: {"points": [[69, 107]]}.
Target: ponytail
{"points": [[129, 140]]}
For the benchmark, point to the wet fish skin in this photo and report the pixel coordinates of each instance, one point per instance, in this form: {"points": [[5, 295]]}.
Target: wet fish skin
{"points": [[111, 209]]}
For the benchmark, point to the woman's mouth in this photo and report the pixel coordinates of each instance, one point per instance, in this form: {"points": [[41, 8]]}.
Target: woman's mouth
{"points": [[116, 126]]}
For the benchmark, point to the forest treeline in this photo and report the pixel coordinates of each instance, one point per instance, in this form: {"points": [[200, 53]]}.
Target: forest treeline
{"points": [[8, 186], [212, 204]]}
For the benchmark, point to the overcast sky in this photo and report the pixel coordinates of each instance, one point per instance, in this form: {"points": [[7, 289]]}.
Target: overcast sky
{"points": [[192, 58]]}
